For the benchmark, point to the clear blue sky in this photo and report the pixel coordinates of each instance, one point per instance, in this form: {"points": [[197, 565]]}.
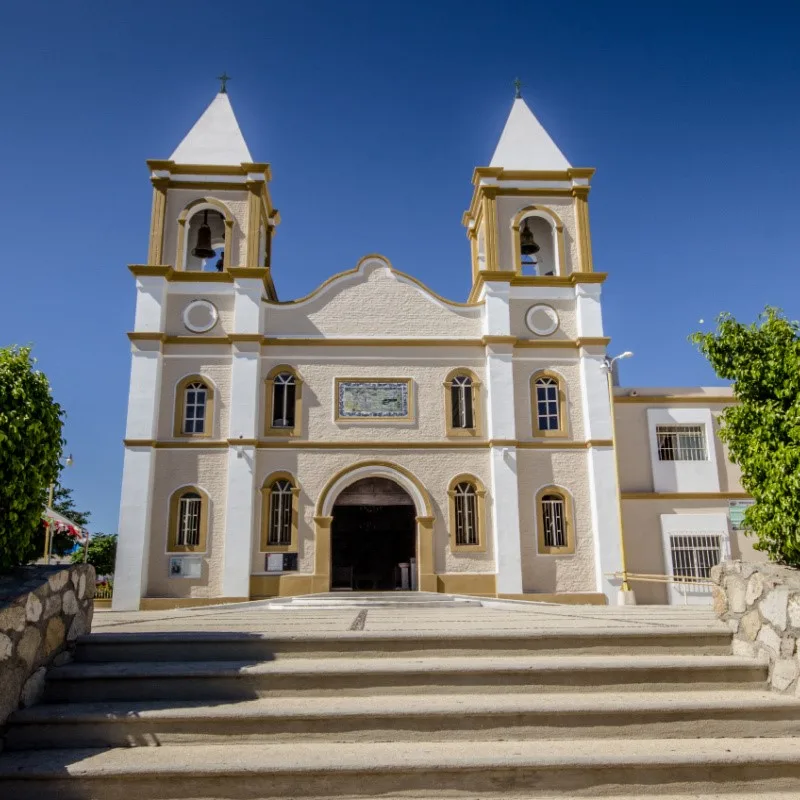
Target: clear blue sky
{"points": [[373, 116]]}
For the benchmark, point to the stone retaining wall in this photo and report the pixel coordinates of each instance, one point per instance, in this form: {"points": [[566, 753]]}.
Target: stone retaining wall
{"points": [[761, 605], [43, 610]]}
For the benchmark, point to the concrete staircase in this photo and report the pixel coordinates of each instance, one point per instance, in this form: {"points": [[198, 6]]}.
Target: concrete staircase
{"points": [[577, 713]]}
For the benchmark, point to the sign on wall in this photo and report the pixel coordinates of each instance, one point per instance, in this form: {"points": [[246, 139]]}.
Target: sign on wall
{"points": [[736, 509], [185, 567], [371, 399]]}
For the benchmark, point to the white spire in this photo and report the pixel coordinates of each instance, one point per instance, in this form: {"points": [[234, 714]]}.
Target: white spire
{"points": [[525, 144], [215, 138]]}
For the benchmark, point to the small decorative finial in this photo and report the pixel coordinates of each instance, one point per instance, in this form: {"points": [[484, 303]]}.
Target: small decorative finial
{"points": [[517, 88], [223, 79]]}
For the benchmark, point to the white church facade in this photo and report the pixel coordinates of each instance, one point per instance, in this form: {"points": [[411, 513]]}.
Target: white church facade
{"points": [[376, 436]]}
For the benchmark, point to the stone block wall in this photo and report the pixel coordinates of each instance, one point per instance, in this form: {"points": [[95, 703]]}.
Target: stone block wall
{"points": [[761, 605], [43, 610]]}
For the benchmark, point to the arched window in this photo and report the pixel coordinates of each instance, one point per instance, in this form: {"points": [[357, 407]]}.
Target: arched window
{"points": [[547, 398], [279, 513], [462, 404], [189, 520], [466, 513], [194, 408], [283, 402], [194, 405], [284, 388], [187, 523], [466, 499], [554, 516]]}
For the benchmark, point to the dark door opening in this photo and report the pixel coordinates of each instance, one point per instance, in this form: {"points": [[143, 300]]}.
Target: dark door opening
{"points": [[373, 537]]}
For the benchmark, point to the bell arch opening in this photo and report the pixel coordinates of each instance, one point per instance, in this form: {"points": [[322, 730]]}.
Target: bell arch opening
{"points": [[537, 246], [205, 241], [373, 537]]}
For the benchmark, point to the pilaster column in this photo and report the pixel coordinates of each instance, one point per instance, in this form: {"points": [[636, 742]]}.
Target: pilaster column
{"points": [[135, 515], [425, 566], [157, 218], [321, 582], [581, 195], [240, 515], [502, 430], [603, 486]]}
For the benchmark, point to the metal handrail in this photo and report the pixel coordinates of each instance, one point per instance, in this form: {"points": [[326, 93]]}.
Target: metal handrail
{"points": [[684, 580]]}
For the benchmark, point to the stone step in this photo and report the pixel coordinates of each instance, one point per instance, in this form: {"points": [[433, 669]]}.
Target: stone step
{"points": [[405, 718], [116, 647], [533, 770], [334, 600], [215, 680]]}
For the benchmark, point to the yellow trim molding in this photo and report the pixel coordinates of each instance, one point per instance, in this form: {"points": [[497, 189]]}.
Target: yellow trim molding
{"points": [[157, 222], [480, 585], [685, 496], [349, 444], [286, 585], [169, 603], [547, 550], [323, 495], [654, 399], [357, 269], [480, 511], [174, 509]]}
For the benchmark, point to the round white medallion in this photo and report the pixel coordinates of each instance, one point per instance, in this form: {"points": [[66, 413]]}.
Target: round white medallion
{"points": [[200, 316], [542, 320]]}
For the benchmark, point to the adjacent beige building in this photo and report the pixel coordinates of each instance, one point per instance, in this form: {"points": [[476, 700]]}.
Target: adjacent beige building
{"points": [[376, 436]]}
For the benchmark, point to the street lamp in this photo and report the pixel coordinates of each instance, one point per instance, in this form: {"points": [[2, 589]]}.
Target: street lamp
{"points": [[626, 597], [68, 462]]}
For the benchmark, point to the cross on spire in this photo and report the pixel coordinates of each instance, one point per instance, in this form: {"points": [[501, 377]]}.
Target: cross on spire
{"points": [[517, 88], [223, 79]]}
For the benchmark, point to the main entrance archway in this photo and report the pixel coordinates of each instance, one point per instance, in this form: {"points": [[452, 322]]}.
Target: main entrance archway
{"points": [[373, 537], [421, 509]]}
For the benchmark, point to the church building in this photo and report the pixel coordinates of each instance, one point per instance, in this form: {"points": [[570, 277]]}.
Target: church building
{"points": [[374, 436]]}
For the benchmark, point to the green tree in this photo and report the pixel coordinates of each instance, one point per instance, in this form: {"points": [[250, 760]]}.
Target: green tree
{"points": [[65, 505], [30, 448], [102, 552], [762, 431]]}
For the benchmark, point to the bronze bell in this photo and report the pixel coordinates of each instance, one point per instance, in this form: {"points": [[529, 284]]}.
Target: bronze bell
{"points": [[527, 246], [203, 248]]}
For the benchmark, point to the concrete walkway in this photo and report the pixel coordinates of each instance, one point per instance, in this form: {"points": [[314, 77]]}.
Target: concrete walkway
{"points": [[487, 617]]}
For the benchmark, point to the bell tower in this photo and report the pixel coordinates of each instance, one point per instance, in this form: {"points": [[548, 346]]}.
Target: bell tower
{"points": [[528, 228], [211, 230], [212, 209], [529, 216]]}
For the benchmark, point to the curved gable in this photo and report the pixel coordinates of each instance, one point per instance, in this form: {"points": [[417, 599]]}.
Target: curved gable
{"points": [[373, 300]]}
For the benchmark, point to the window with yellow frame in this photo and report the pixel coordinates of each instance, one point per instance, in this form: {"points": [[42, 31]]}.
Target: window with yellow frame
{"points": [[284, 409], [188, 521], [279, 514], [462, 403], [555, 526], [467, 514], [548, 404], [194, 407]]}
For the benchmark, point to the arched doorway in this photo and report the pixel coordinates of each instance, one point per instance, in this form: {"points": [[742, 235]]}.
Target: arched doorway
{"points": [[373, 537]]}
